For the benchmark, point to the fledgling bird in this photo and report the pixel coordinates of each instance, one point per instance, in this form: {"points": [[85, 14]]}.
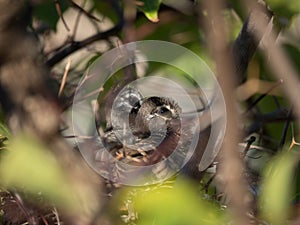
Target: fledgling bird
{"points": [[155, 124], [144, 131], [157, 121]]}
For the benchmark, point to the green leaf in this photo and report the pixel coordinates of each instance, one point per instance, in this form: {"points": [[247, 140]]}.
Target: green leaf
{"points": [[105, 9], [150, 9], [29, 165], [179, 205], [286, 8], [4, 131], [238, 7], [293, 53], [276, 189], [46, 11]]}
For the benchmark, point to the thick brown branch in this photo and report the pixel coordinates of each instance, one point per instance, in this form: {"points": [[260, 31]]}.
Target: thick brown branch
{"points": [[30, 107]]}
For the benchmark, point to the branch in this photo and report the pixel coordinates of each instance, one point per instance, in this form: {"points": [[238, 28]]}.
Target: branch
{"points": [[76, 45], [31, 108], [260, 119], [247, 41], [230, 68]]}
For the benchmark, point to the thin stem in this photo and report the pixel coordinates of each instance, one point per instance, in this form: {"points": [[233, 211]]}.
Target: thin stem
{"points": [[73, 46]]}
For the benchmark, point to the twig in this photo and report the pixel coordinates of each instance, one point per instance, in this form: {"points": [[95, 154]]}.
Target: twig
{"points": [[279, 63], [293, 142], [79, 137], [56, 216], [63, 81], [206, 186], [68, 49], [57, 6], [275, 116], [262, 96], [260, 119], [77, 21], [80, 9], [21, 205], [248, 145], [44, 220], [285, 130], [277, 103]]}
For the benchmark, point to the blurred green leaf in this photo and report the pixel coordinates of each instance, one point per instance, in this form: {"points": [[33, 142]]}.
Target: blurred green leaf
{"points": [[286, 8], [150, 9], [46, 11], [30, 166], [276, 189], [296, 194], [233, 21], [4, 130], [293, 54], [268, 105], [179, 205], [4, 135], [105, 9], [238, 7]]}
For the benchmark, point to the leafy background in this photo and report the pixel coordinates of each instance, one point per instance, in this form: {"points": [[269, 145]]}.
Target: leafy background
{"points": [[28, 167]]}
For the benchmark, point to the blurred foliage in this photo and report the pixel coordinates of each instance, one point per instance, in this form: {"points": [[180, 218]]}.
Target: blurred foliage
{"points": [[294, 54], [4, 131], [105, 9], [281, 8], [238, 7], [28, 165], [150, 9], [47, 12], [286, 8], [163, 204], [276, 193]]}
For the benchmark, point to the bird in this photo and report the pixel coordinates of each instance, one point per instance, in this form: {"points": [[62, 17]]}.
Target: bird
{"points": [[141, 131], [147, 131], [155, 125]]}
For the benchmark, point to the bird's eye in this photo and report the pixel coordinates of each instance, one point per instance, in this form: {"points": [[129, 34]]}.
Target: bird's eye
{"points": [[163, 110]]}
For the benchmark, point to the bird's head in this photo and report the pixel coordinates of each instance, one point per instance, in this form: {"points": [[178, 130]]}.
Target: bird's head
{"points": [[156, 114]]}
